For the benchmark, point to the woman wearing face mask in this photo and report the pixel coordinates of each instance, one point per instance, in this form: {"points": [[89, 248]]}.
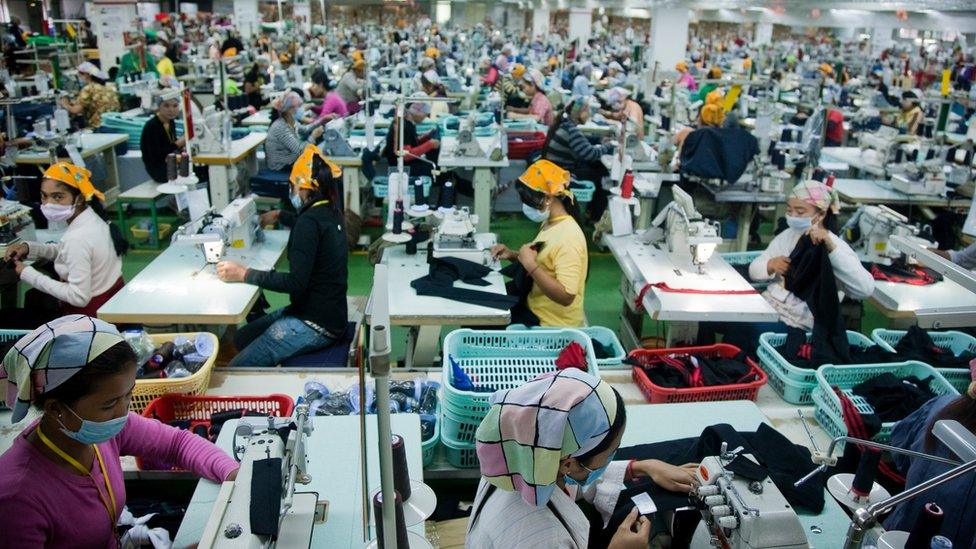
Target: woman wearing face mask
{"points": [[61, 481], [809, 211], [625, 110], [317, 280], [535, 467], [556, 260], [86, 259], [287, 137]]}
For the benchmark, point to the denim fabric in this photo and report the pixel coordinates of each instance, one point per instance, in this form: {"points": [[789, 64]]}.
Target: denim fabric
{"points": [[271, 339]]}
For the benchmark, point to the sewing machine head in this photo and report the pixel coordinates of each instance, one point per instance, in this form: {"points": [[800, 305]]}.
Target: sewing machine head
{"points": [[875, 226], [467, 143], [241, 217], [334, 144], [742, 513], [637, 149], [454, 236], [689, 235], [882, 141]]}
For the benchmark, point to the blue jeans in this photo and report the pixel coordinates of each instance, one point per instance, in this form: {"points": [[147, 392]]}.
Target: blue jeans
{"points": [[744, 335], [273, 338]]}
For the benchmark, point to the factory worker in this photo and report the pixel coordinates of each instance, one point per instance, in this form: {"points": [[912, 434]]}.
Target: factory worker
{"points": [[287, 137], [685, 79], [615, 75], [626, 110], [714, 73], [332, 106], [548, 444], [430, 82], [164, 65], [413, 145], [810, 210], [159, 137], [352, 84], [317, 280], [556, 260], [581, 84], [95, 98], [540, 108], [86, 259], [910, 117], [508, 88], [568, 148], [137, 60], [254, 79], [957, 498], [61, 481]]}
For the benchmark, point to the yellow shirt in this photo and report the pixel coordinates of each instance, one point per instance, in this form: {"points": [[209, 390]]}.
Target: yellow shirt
{"points": [[564, 257], [165, 67]]}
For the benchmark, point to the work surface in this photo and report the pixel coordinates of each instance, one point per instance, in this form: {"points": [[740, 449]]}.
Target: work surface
{"points": [[239, 148], [867, 191], [89, 145], [944, 304], [449, 159], [180, 287], [334, 465], [868, 161]]}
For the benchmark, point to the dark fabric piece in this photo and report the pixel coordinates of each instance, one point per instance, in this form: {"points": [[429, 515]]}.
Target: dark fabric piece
{"points": [[917, 345], [893, 398], [439, 282], [904, 274], [695, 370], [781, 460], [816, 353], [155, 144], [864, 427], [718, 153], [318, 278], [811, 278], [602, 351], [266, 497], [743, 270], [519, 286]]}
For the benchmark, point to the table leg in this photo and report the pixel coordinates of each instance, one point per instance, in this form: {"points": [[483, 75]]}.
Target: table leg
{"points": [[219, 183], [112, 167], [483, 182], [647, 205], [155, 237], [350, 184], [120, 208], [746, 212], [631, 320], [680, 333], [422, 345]]}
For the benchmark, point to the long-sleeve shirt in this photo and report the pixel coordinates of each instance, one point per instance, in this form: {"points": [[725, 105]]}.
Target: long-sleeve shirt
{"points": [[350, 87], [508, 521], [131, 63], [45, 505], [332, 104], [84, 259], [852, 279], [157, 141], [285, 144], [541, 108], [965, 258], [957, 498], [569, 147], [318, 278], [416, 146]]}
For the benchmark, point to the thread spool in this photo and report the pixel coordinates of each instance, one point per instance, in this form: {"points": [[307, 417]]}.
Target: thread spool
{"points": [[666, 123], [419, 200], [184, 165], [401, 525], [447, 197], [412, 243], [170, 166], [927, 525], [401, 475], [398, 217], [627, 185], [867, 469]]}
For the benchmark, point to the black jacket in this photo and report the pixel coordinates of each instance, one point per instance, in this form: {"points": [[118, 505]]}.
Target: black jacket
{"points": [[318, 277], [155, 144], [718, 153]]}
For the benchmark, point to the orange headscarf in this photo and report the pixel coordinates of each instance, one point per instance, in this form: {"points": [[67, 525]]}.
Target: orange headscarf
{"points": [[301, 171], [73, 176]]}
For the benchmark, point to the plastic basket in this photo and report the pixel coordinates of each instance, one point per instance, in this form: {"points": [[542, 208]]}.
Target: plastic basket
{"points": [[846, 377], [793, 392], [144, 234], [12, 335], [745, 258], [777, 363], [583, 190], [146, 390], [656, 394], [952, 342], [522, 145], [198, 409], [462, 455], [428, 446], [606, 336], [381, 186], [458, 428]]}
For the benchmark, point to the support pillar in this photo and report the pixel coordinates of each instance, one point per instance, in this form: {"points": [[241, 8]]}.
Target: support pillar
{"points": [[514, 18], [669, 36], [764, 34], [302, 14], [442, 11], [540, 22], [580, 24], [247, 18]]}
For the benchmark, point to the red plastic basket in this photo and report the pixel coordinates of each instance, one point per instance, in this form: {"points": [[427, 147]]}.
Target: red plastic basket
{"points": [[521, 145], [198, 409], [662, 395]]}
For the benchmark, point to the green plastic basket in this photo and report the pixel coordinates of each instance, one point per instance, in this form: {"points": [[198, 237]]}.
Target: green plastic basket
{"points": [[606, 336], [428, 446], [770, 341], [794, 392], [12, 335], [846, 377], [462, 455], [583, 190], [745, 258], [952, 342]]}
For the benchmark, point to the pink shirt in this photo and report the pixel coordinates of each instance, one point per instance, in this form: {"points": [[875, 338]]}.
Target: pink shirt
{"points": [[47, 506], [333, 104], [541, 107], [688, 81]]}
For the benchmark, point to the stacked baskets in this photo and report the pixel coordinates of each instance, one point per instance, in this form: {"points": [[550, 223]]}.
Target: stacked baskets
{"points": [[955, 343], [493, 361], [605, 336]]}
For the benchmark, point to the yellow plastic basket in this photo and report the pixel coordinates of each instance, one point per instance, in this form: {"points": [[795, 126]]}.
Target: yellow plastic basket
{"points": [[147, 390], [144, 234]]}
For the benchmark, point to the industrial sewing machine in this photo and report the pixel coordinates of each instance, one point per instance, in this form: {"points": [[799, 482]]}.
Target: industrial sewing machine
{"points": [[143, 89], [690, 238], [334, 141], [467, 143], [273, 460], [236, 226], [883, 142], [212, 134], [16, 224], [638, 150], [454, 236], [870, 228], [740, 513]]}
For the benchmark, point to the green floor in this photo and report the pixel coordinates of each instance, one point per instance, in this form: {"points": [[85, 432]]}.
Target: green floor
{"points": [[602, 304]]}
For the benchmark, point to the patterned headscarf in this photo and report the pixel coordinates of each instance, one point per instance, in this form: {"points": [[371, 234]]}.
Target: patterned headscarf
{"points": [[529, 429], [816, 194], [73, 176], [289, 100], [577, 107], [546, 177], [47, 357], [301, 171]]}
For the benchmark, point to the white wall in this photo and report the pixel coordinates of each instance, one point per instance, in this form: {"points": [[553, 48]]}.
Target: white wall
{"points": [[938, 21]]}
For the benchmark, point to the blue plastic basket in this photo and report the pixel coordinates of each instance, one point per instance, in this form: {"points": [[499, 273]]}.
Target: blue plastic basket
{"points": [[12, 335], [606, 336], [846, 377], [462, 455], [794, 392], [583, 190], [777, 363], [381, 185], [952, 342], [428, 446]]}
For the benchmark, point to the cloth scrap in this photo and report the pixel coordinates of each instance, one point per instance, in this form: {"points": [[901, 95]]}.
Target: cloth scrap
{"points": [[573, 356]]}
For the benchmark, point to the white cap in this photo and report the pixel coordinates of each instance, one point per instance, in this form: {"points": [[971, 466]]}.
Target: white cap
{"points": [[432, 77]]}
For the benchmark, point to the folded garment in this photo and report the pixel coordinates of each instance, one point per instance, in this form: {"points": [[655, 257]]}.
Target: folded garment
{"points": [[444, 272], [679, 372], [918, 345], [894, 398], [900, 272], [813, 354]]}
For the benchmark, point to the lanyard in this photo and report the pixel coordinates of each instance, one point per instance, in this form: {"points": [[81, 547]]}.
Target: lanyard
{"points": [[111, 510], [319, 203]]}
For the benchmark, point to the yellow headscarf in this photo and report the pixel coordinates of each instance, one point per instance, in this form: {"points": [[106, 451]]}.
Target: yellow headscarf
{"points": [[518, 70], [74, 176], [714, 97], [301, 171], [547, 178], [712, 115]]}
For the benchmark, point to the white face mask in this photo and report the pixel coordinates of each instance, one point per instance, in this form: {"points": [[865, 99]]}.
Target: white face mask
{"points": [[535, 215], [58, 212], [799, 223]]}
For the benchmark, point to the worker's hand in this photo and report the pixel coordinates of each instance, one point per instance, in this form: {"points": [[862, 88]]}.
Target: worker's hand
{"points": [[670, 477], [269, 218], [19, 267], [820, 235], [229, 271], [17, 251], [944, 254], [317, 132], [501, 251], [180, 143], [778, 265], [436, 143], [633, 533], [233, 475], [527, 256]]}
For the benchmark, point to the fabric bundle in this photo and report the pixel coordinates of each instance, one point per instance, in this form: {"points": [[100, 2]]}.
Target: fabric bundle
{"points": [[894, 398], [918, 345], [445, 271], [901, 273], [679, 372]]}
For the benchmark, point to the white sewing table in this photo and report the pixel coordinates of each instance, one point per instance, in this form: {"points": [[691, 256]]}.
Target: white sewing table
{"points": [[334, 465], [747, 200], [683, 310], [260, 118], [937, 306], [90, 144], [484, 179], [867, 161], [223, 171], [868, 191], [651, 166], [179, 287]]}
